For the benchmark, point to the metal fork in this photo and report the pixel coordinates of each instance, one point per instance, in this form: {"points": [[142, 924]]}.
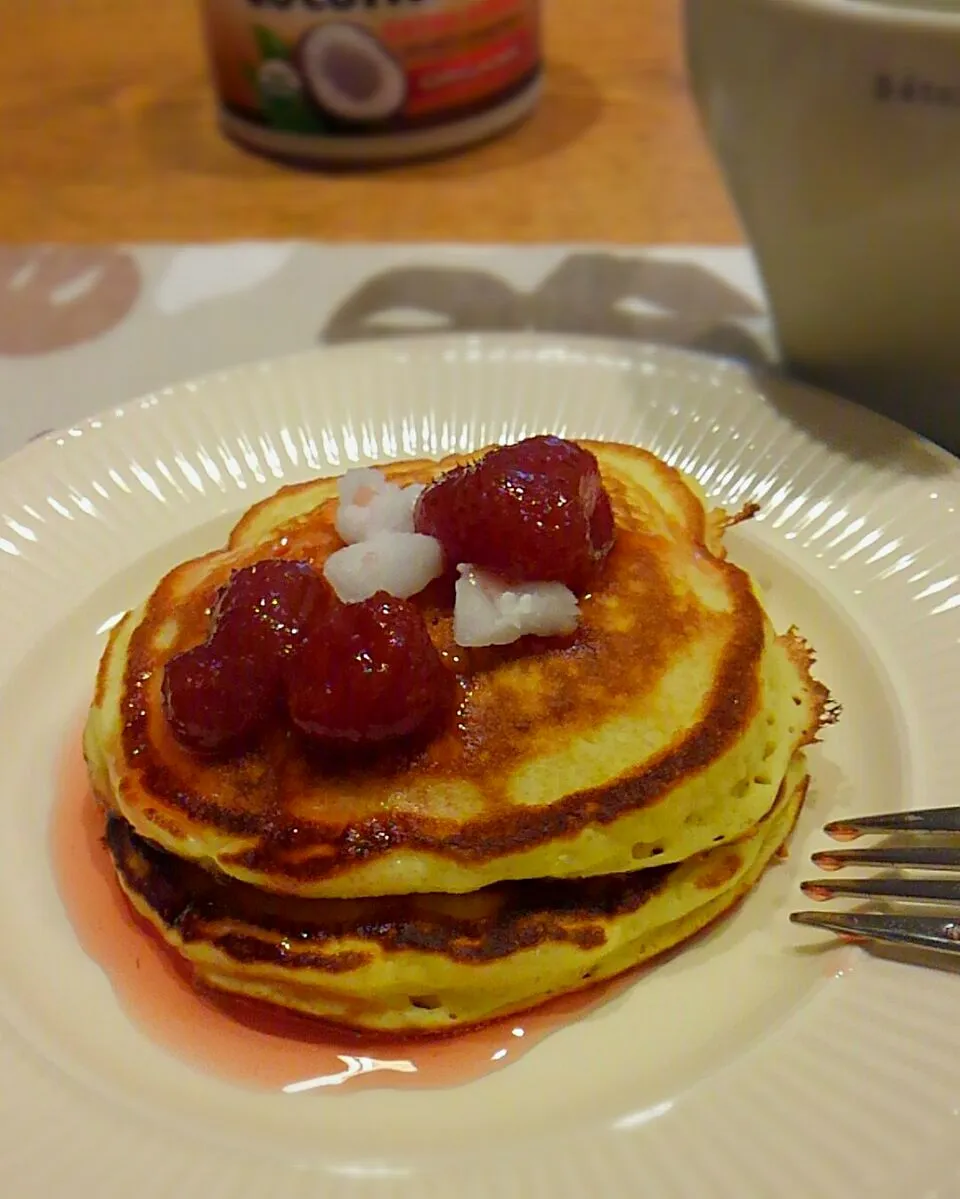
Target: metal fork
{"points": [[939, 932]]}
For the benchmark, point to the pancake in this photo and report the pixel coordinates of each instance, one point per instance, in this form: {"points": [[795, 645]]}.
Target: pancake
{"points": [[665, 725], [435, 963]]}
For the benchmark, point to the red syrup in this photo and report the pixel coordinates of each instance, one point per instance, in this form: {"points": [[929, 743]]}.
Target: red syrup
{"points": [[245, 1041]]}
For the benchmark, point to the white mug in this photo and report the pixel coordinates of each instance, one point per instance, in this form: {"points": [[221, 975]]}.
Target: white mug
{"points": [[837, 126]]}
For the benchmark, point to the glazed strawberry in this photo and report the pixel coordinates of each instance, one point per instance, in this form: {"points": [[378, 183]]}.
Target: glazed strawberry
{"points": [[536, 511], [219, 695], [216, 702], [367, 673], [263, 607]]}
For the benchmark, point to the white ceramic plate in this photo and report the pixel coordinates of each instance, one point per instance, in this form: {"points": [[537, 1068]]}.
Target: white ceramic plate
{"points": [[749, 1065]]}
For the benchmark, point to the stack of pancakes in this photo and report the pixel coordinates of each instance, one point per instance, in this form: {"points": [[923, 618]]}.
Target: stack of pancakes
{"points": [[595, 800]]}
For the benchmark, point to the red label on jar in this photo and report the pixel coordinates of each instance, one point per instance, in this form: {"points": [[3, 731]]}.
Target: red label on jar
{"points": [[490, 68], [358, 67]]}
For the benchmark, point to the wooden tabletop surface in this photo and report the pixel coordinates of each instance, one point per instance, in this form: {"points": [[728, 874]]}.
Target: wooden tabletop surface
{"points": [[109, 135]]}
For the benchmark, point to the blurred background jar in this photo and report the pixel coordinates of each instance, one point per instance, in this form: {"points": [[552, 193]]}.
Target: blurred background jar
{"points": [[370, 82]]}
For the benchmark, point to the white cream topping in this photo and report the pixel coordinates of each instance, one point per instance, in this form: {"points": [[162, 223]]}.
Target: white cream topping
{"points": [[399, 563], [488, 611], [370, 505]]}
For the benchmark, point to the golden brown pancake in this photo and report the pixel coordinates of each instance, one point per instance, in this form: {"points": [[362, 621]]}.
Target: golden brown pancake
{"points": [[664, 726], [428, 963]]}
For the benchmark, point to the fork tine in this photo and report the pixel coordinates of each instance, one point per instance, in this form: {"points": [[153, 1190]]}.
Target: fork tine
{"points": [[926, 932], [935, 890], [919, 857], [923, 820]]}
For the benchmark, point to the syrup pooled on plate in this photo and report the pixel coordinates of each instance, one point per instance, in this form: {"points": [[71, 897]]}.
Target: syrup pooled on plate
{"points": [[240, 1040]]}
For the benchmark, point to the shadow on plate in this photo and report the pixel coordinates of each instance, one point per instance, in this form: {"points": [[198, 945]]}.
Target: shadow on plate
{"points": [[859, 433], [905, 955]]}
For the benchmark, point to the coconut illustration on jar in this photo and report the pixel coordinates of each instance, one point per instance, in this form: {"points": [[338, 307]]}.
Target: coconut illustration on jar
{"points": [[349, 74]]}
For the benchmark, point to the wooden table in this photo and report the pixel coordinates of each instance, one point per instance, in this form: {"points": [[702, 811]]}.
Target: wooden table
{"points": [[108, 134]]}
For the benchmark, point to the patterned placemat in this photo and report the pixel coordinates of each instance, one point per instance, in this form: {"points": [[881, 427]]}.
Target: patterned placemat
{"points": [[83, 329]]}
